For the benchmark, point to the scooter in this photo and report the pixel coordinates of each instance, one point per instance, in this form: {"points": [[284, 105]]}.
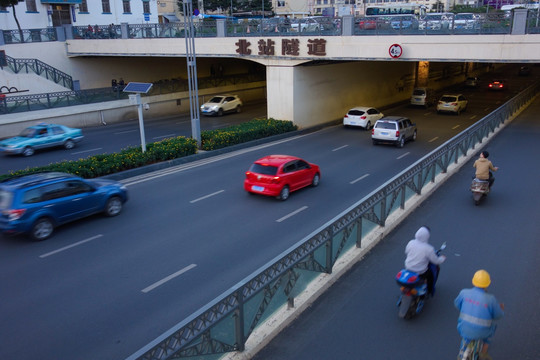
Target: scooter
{"points": [[414, 291], [479, 189]]}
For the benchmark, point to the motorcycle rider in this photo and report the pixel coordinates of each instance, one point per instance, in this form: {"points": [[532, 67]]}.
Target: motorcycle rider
{"points": [[478, 309], [419, 254], [483, 167]]}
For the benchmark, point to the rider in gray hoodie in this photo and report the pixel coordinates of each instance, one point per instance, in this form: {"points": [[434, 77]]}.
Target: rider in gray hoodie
{"points": [[419, 254]]}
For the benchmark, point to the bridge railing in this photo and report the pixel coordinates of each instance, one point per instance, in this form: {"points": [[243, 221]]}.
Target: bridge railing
{"points": [[31, 102], [224, 324], [482, 24]]}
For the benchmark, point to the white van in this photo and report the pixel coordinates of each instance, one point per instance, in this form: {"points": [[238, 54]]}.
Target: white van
{"points": [[423, 96]]}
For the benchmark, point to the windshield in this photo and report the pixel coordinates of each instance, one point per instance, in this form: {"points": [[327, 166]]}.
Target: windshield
{"points": [[419, 92], [448, 99], [216, 99], [5, 199], [263, 169]]}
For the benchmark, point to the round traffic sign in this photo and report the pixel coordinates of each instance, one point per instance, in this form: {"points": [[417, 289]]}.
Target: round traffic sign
{"points": [[395, 51]]}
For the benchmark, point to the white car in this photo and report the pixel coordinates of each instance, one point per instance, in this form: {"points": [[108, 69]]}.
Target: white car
{"points": [[305, 25], [362, 116], [467, 21], [455, 103], [220, 104], [435, 21]]}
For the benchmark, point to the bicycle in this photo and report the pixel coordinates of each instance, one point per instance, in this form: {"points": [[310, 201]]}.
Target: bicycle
{"points": [[470, 349]]}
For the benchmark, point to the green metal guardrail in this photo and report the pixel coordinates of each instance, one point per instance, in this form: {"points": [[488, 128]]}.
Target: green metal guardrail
{"points": [[40, 68], [23, 103], [224, 324]]}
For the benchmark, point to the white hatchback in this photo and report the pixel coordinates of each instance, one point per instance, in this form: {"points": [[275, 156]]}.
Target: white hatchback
{"points": [[455, 103], [362, 116]]}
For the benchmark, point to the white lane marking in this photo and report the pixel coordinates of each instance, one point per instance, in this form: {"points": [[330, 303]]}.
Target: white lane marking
{"points": [[183, 167], [70, 246], [402, 156], [435, 138], [206, 196], [341, 147], [170, 277], [292, 214], [472, 117], [360, 178], [164, 136], [455, 127], [85, 151], [428, 113], [125, 132]]}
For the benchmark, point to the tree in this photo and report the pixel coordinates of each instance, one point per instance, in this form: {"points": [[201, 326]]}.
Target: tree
{"points": [[12, 3]]}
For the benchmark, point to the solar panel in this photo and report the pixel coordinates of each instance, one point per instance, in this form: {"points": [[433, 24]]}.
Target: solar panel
{"points": [[137, 87]]}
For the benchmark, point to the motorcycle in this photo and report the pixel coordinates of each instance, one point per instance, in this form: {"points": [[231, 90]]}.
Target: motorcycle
{"points": [[479, 189], [414, 289]]}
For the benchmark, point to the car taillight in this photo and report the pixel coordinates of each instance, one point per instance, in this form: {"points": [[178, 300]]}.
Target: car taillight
{"points": [[14, 214], [397, 133], [453, 104], [373, 131], [275, 180], [363, 117]]}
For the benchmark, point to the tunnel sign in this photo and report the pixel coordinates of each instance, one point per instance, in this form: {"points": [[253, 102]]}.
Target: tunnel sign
{"points": [[395, 51]]}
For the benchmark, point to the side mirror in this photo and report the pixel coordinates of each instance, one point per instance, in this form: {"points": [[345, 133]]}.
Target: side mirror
{"points": [[443, 246]]}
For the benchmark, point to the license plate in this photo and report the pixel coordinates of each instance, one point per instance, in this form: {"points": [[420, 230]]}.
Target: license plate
{"points": [[257, 188], [384, 132], [353, 122]]}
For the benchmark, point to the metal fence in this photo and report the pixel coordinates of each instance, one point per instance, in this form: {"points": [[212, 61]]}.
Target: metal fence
{"points": [[32, 102], [40, 68], [225, 324], [482, 24]]}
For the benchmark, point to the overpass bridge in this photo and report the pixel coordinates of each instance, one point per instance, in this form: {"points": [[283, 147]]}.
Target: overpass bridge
{"points": [[310, 77]]}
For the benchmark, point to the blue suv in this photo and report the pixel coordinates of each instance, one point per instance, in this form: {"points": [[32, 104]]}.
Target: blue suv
{"points": [[35, 204]]}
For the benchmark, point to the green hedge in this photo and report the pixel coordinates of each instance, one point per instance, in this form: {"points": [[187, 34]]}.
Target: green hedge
{"points": [[168, 149]]}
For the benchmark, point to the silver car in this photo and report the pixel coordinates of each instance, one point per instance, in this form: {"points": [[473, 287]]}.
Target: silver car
{"points": [[220, 104], [394, 130]]}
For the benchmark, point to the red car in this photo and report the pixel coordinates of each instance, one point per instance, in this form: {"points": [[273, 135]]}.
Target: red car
{"points": [[497, 85], [279, 175]]}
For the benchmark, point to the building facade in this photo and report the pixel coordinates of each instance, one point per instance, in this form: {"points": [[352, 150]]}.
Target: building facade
{"points": [[35, 14]]}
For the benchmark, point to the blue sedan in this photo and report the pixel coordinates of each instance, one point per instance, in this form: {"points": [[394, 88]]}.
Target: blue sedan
{"points": [[40, 137]]}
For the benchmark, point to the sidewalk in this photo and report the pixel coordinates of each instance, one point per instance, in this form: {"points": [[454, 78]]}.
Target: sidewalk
{"points": [[357, 318]]}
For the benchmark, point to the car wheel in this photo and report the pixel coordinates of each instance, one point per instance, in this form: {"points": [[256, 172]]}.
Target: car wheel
{"points": [[414, 136], [220, 112], [238, 109], [113, 206], [368, 125], [69, 144], [42, 229], [284, 193], [28, 151], [316, 180], [401, 142]]}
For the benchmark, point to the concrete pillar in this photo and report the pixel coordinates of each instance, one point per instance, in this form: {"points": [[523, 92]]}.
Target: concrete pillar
{"points": [[280, 92], [2, 37], [124, 30], [221, 25], [347, 25], [519, 23], [422, 74], [62, 32]]}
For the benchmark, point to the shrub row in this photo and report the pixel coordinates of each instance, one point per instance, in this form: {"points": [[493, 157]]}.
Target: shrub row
{"points": [[168, 149]]}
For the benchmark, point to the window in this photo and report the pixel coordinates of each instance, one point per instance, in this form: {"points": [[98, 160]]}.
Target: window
{"points": [[146, 6], [57, 130], [290, 167], [106, 6], [302, 165], [3, 8], [31, 6], [83, 6], [127, 6]]}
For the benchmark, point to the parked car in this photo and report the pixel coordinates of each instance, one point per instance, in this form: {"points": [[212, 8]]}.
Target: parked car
{"points": [[435, 21], [279, 175], [498, 85], [220, 104], [472, 82], [466, 21], [271, 25], [369, 23], [35, 204], [394, 130], [305, 25], [40, 137], [423, 96], [409, 22], [455, 103], [362, 116]]}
